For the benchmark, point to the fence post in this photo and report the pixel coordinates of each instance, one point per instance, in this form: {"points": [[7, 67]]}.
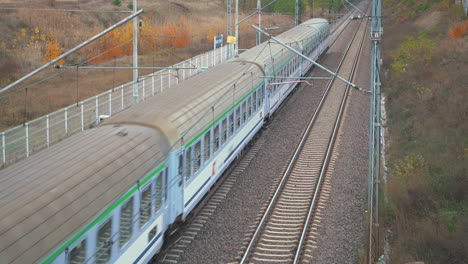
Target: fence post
{"points": [[152, 85], [66, 121], [191, 65], [27, 139], [82, 117], [169, 75], [97, 109], [47, 131], [110, 103], [122, 93], [3, 150], [161, 78], [143, 89], [183, 71]]}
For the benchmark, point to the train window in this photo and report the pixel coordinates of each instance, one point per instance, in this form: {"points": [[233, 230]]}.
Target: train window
{"points": [[254, 101], [244, 111], [188, 162], [249, 106], [104, 243], [223, 131], [206, 147], [152, 233], [231, 124], [145, 206], [126, 223], [78, 253], [238, 118], [158, 192], [197, 159], [181, 165], [216, 139], [257, 102]]}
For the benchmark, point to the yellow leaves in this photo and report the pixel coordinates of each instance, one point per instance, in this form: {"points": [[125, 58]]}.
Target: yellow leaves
{"points": [[422, 92], [413, 50], [408, 167], [52, 50], [23, 32], [37, 31]]}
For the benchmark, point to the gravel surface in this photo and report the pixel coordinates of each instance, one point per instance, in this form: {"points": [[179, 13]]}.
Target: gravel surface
{"points": [[222, 236], [341, 237]]}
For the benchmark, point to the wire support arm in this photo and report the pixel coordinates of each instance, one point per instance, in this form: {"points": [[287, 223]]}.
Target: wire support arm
{"points": [[308, 59]]}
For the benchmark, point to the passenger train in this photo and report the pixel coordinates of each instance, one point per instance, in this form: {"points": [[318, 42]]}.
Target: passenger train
{"points": [[111, 193]]}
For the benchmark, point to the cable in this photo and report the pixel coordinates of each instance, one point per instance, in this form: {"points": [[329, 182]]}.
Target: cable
{"points": [[63, 10], [64, 71]]}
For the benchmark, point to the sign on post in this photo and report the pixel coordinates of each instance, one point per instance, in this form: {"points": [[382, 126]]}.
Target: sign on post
{"points": [[217, 42], [231, 40]]}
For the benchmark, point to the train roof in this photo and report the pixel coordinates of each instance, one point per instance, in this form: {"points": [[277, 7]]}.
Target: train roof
{"points": [[296, 37], [52, 195], [184, 111]]}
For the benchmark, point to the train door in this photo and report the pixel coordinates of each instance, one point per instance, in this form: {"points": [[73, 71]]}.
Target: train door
{"points": [[175, 186]]}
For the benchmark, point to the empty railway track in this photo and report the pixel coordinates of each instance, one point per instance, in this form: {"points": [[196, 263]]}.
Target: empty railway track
{"points": [[281, 235]]}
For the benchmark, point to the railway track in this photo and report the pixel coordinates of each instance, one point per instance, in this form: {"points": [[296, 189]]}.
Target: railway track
{"points": [[282, 234]]}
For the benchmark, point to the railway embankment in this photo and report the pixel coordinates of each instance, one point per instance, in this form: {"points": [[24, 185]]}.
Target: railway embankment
{"points": [[425, 65]]}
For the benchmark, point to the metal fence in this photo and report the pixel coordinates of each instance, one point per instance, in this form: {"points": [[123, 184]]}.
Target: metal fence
{"points": [[22, 141]]}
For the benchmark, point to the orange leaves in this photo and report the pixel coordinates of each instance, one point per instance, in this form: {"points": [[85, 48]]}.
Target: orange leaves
{"points": [[115, 44], [178, 33], [118, 43], [458, 30], [52, 50]]}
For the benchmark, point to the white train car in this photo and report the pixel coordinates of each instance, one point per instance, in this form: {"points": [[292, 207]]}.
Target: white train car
{"points": [[110, 194]]}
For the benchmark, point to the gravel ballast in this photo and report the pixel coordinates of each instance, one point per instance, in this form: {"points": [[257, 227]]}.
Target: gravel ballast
{"points": [[223, 234]]}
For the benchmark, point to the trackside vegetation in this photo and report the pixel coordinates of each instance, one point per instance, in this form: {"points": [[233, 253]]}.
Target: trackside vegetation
{"points": [[425, 199]]}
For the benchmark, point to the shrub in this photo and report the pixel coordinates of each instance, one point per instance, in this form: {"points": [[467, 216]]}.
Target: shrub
{"points": [[413, 50], [458, 30]]}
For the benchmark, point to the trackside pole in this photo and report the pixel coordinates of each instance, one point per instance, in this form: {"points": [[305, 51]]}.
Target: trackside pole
{"points": [[87, 42]]}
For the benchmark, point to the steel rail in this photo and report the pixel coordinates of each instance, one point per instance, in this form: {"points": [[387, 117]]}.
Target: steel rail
{"points": [[292, 161], [330, 148]]}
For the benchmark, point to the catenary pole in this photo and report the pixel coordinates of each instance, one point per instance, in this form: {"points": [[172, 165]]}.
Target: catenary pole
{"points": [[296, 11], [135, 54], [259, 17], [85, 43], [229, 24], [236, 52]]}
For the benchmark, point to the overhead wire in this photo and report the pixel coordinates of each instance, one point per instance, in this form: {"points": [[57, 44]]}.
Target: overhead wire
{"points": [[64, 71], [65, 10]]}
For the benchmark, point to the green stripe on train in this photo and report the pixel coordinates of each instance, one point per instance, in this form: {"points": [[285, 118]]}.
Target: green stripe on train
{"points": [[102, 216]]}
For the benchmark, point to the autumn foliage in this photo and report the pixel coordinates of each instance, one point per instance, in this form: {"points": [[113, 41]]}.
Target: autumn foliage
{"points": [[178, 33], [52, 50], [118, 43], [458, 30]]}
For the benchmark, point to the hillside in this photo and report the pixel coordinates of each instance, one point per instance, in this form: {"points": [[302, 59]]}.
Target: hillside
{"points": [[172, 31], [425, 80]]}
